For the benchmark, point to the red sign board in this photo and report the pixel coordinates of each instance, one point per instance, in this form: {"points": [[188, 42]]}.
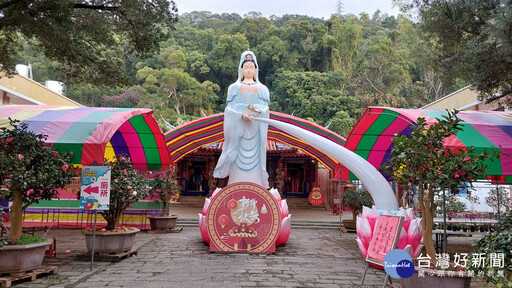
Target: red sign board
{"points": [[243, 217], [316, 198], [385, 237]]}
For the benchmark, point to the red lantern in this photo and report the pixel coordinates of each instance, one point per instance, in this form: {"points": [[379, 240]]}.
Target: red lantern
{"points": [[232, 204], [223, 220]]}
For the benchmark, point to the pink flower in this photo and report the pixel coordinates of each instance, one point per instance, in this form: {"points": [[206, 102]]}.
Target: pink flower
{"points": [[124, 171], [115, 180], [54, 154], [9, 139], [65, 167], [20, 157], [68, 251], [456, 175], [469, 177], [122, 158], [129, 187]]}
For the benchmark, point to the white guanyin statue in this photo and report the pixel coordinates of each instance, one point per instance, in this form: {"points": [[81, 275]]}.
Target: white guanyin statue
{"points": [[244, 152]]}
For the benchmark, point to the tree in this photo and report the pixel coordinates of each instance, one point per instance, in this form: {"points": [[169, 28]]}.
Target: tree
{"points": [[30, 171], [254, 29], [165, 187], [223, 59], [174, 88], [85, 37], [127, 187], [128, 99], [383, 68], [348, 35], [342, 123], [474, 41], [421, 160], [499, 199]]}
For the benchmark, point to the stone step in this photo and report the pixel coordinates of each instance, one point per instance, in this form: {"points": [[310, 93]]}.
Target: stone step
{"points": [[295, 224], [293, 203], [190, 201]]}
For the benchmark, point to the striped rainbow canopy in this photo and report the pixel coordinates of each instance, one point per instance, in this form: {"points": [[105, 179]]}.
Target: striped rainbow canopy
{"points": [[485, 130], [90, 132], [186, 138]]}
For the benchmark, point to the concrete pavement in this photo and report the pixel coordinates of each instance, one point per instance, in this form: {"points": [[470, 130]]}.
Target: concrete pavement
{"points": [[311, 258]]}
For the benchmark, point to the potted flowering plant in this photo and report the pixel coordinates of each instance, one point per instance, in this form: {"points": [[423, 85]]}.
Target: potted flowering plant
{"points": [[421, 160], [165, 188], [355, 199], [30, 171], [127, 186]]}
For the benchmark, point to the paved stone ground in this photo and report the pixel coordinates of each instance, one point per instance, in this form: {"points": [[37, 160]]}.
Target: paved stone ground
{"points": [[311, 258]]}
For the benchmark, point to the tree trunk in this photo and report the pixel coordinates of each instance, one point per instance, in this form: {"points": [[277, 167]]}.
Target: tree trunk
{"points": [[427, 224], [113, 217], [354, 214], [112, 223], [16, 216], [165, 210]]}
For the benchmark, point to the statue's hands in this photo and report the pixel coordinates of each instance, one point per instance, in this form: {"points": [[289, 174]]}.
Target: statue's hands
{"points": [[247, 117], [253, 109]]}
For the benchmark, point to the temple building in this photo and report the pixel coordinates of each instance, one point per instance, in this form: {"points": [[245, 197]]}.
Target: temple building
{"points": [[290, 170], [294, 166]]}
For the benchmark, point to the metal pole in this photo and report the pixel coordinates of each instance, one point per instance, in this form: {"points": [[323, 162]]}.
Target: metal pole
{"points": [[444, 221], [364, 275], [498, 195], [94, 236], [340, 205]]}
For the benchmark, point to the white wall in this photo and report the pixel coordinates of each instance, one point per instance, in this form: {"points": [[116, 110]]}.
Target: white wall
{"points": [[481, 189]]}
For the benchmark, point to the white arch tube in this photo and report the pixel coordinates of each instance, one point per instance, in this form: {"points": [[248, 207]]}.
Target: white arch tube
{"points": [[376, 184]]}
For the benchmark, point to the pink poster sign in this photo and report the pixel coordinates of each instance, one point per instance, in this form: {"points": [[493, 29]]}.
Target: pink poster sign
{"points": [[385, 237]]}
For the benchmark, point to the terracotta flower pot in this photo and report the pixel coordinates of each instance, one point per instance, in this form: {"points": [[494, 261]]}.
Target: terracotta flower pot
{"points": [[349, 224], [110, 242], [19, 258], [162, 222]]}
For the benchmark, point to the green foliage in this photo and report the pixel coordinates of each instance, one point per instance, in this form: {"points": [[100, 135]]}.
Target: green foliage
{"points": [[30, 239], [473, 41], [356, 198], [30, 171], [421, 160], [173, 88], [127, 186], [30, 167], [499, 241], [165, 188], [499, 197], [86, 38], [325, 70], [452, 204]]}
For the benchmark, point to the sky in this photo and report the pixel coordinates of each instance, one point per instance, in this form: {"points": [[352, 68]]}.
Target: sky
{"points": [[315, 8]]}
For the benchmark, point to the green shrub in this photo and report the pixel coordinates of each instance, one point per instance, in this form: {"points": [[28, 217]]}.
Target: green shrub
{"points": [[30, 239], [356, 198], [499, 241]]}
